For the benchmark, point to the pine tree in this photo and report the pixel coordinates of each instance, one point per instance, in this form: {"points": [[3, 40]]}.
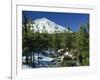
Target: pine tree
{"points": [[24, 36], [56, 39], [82, 45], [27, 38], [67, 39]]}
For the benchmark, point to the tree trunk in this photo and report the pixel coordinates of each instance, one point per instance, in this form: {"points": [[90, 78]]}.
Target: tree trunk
{"points": [[38, 58], [26, 58], [33, 61]]}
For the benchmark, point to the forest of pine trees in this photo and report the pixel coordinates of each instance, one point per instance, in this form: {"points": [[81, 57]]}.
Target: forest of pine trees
{"points": [[77, 43]]}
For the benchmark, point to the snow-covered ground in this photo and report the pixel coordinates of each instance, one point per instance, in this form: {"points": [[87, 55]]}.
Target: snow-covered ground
{"points": [[42, 60], [26, 67]]}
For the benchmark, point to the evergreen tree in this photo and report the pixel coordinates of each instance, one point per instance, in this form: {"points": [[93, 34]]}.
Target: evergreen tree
{"points": [[67, 39], [56, 39], [82, 45]]}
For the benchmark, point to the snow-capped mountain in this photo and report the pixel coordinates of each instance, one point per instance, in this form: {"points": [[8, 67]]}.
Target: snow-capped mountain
{"points": [[44, 24]]}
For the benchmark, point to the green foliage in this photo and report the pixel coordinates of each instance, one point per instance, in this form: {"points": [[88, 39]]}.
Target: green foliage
{"points": [[82, 45], [78, 41], [68, 63]]}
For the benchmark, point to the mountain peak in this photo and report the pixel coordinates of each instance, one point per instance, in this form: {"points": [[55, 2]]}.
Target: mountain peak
{"points": [[50, 26], [42, 19]]}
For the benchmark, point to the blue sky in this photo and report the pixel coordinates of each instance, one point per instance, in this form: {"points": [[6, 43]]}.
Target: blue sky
{"points": [[74, 20]]}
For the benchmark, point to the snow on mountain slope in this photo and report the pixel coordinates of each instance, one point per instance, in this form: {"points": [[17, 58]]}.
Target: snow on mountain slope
{"points": [[44, 24]]}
